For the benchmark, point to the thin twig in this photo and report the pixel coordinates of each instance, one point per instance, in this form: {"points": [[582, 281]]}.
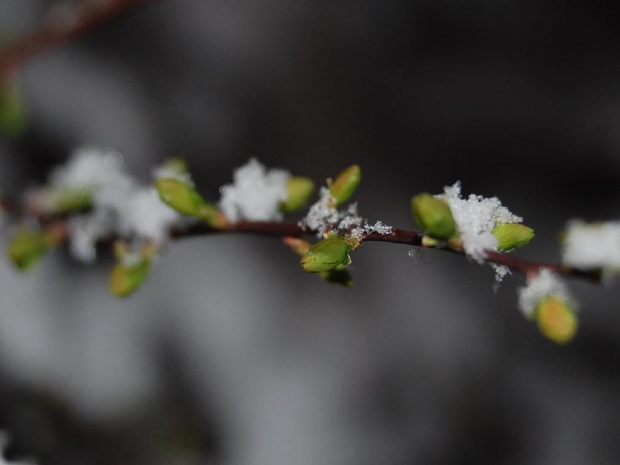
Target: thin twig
{"points": [[61, 29], [280, 230]]}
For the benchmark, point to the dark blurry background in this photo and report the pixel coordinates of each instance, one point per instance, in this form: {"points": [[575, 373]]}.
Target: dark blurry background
{"points": [[230, 354]]}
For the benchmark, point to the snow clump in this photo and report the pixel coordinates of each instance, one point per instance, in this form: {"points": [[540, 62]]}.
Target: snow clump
{"points": [[475, 218], [595, 245], [256, 194]]}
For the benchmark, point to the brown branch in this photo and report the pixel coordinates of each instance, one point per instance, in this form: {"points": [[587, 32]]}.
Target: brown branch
{"points": [[397, 236], [59, 224], [62, 29]]}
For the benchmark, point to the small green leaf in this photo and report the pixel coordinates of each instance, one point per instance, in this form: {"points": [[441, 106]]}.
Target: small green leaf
{"points": [[186, 200], [433, 216], [126, 278], [556, 320], [27, 248], [331, 253], [299, 190], [512, 235], [12, 109], [345, 184]]}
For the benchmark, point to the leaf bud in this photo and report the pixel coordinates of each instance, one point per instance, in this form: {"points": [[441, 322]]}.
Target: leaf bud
{"points": [[298, 191], [186, 200], [345, 184], [512, 235], [126, 277], [27, 248], [433, 216], [555, 319], [331, 253]]}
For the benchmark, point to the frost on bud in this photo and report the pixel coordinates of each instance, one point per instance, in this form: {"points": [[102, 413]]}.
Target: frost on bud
{"points": [[433, 216], [186, 200], [345, 184], [331, 253], [28, 247], [512, 235], [12, 110], [298, 191], [556, 320], [127, 276]]}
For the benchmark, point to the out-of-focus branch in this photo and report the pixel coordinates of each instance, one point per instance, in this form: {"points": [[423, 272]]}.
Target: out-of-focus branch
{"points": [[62, 28]]}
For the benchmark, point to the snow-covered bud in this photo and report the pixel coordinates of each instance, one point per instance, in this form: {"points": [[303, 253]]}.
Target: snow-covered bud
{"points": [[345, 184], [512, 235], [186, 200], [28, 247], [128, 275], [433, 216], [556, 319], [298, 191], [329, 254]]}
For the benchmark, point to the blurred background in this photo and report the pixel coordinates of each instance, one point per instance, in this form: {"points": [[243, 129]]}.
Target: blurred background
{"points": [[230, 354]]}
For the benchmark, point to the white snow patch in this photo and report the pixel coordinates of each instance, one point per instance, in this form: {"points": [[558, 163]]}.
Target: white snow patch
{"points": [[88, 167], [475, 218], [146, 216], [323, 218], [256, 194], [595, 245], [546, 283]]}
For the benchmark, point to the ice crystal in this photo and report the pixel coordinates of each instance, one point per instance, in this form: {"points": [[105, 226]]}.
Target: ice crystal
{"points": [[475, 218], [501, 272], [256, 194], [595, 245], [323, 218], [546, 283]]}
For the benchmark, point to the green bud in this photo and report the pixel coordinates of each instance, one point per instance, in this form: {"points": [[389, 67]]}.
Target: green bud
{"points": [[12, 109], [298, 191], [331, 253], [71, 200], [556, 320], [345, 184], [27, 248], [512, 235], [433, 216], [127, 278], [186, 200]]}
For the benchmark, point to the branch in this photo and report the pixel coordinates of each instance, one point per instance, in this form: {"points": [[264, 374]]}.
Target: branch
{"points": [[62, 29], [397, 236]]}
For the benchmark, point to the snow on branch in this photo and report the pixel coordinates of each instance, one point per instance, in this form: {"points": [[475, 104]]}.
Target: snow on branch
{"points": [[92, 200]]}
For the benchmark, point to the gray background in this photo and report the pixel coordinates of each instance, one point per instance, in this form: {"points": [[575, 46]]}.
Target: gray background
{"points": [[230, 354]]}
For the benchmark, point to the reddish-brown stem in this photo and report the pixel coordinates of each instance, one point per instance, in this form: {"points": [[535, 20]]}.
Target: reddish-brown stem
{"points": [[62, 29], [281, 230], [398, 236]]}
